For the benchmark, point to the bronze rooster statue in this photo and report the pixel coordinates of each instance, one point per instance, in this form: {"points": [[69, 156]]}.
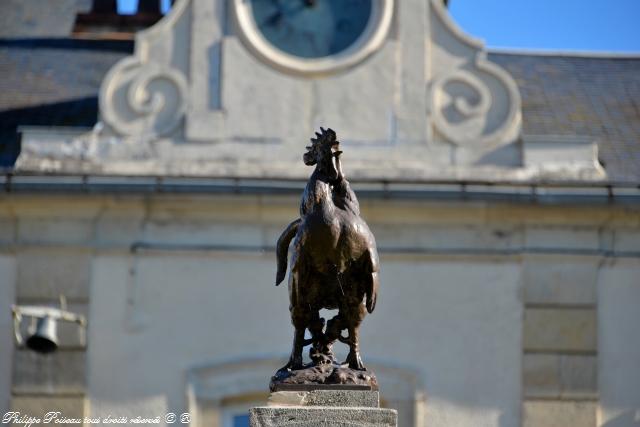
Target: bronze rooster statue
{"points": [[334, 263]]}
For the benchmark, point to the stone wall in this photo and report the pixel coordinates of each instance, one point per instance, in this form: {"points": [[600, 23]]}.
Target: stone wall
{"points": [[50, 257], [560, 364], [507, 314]]}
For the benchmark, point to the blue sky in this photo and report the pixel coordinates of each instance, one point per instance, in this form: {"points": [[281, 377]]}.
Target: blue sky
{"points": [[591, 25], [571, 25]]}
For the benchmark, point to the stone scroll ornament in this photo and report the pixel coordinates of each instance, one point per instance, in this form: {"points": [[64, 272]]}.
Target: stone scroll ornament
{"points": [[143, 99], [465, 110], [474, 104], [334, 266]]}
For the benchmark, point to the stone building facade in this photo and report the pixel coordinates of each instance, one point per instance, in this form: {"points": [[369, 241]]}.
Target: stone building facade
{"points": [[502, 189]]}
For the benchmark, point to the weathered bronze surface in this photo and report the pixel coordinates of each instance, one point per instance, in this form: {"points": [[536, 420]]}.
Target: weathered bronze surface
{"points": [[334, 266]]}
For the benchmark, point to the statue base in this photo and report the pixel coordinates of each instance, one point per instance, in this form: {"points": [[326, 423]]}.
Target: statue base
{"points": [[328, 376], [327, 408]]}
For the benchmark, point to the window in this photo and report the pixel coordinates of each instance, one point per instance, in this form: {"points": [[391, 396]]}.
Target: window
{"points": [[237, 414], [241, 420]]}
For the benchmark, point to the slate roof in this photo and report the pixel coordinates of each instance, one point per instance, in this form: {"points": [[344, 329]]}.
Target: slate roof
{"points": [[55, 82], [51, 82], [587, 96]]}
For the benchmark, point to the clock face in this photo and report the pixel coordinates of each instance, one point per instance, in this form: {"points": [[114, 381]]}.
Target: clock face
{"points": [[311, 28], [313, 37]]}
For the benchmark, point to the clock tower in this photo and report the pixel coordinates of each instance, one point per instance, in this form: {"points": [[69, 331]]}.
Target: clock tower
{"points": [[237, 87]]}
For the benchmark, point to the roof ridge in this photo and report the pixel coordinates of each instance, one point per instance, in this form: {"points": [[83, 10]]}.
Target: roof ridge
{"points": [[564, 53]]}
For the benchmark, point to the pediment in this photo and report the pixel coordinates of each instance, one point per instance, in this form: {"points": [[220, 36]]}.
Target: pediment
{"points": [[417, 98]]}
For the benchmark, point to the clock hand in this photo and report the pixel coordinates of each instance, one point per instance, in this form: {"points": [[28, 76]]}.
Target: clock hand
{"points": [[277, 17], [274, 19]]}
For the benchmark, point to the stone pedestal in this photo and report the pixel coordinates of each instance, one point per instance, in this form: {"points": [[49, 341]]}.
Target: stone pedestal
{"points": [[324, 407]]}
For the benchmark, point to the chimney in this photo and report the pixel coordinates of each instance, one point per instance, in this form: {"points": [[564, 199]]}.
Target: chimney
{"points": [[105, 7], [103, 22], [149, 6]]}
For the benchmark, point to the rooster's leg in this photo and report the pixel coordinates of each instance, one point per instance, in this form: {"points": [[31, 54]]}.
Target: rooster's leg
{"points": [[295, 361], [319, 353], [353, 327], [334, 327], [316, 327], [300, 320]]}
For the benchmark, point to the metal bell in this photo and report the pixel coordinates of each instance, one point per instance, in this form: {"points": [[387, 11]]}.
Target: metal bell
{"points": [[45, 338]]}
